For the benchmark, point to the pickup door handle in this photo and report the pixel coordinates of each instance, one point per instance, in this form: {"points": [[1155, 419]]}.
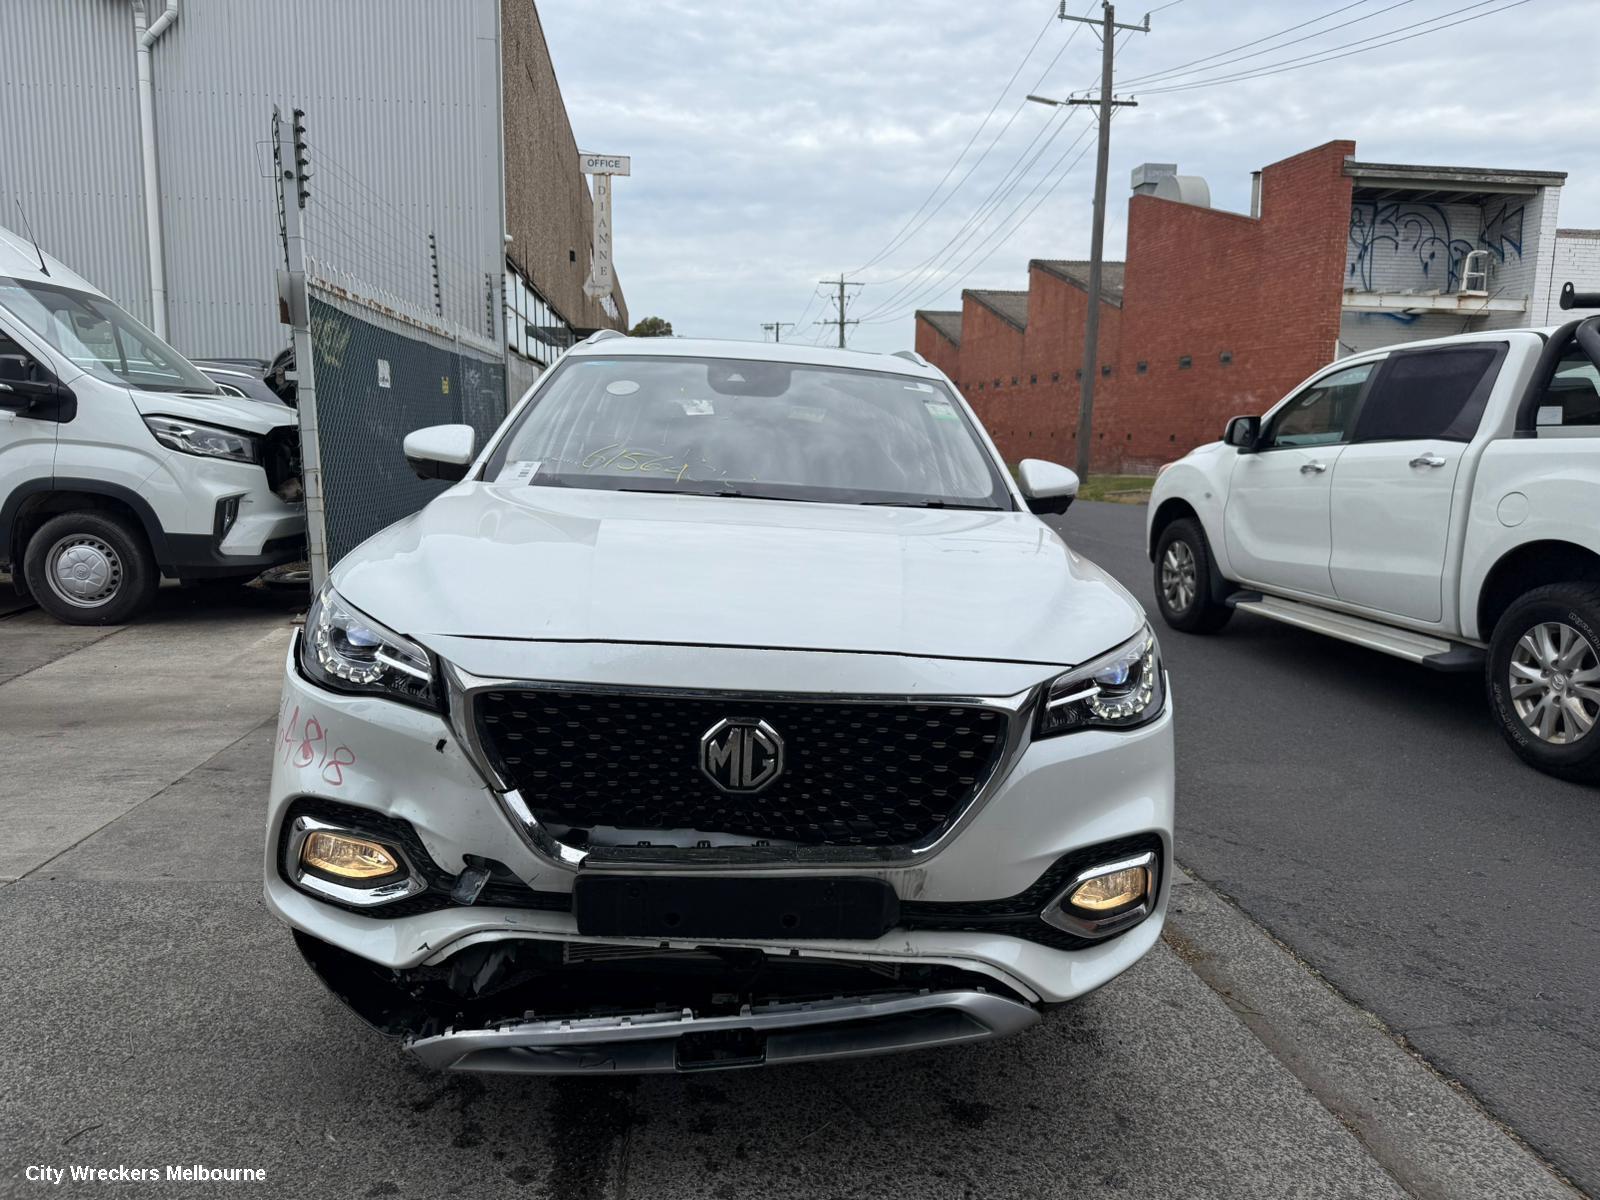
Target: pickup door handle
{"points": [[1429, 459], [1313, 468]]}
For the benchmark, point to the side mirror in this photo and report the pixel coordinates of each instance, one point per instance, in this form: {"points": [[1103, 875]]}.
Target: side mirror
{"points": [[1048, 487], [28, 390], [441, 451], [1243, 433]]}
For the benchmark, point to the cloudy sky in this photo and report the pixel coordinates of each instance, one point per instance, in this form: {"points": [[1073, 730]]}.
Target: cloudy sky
{"points": [[774, 145]]}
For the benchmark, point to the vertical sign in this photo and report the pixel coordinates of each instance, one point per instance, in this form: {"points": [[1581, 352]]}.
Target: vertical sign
{"points": [[602, 167]]}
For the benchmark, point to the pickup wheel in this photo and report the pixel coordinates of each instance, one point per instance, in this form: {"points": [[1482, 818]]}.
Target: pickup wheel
{"points": [[90, 568], [1544, 679], [1183, 580]]}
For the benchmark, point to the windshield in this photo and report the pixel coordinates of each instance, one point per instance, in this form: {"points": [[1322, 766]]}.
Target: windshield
{"points": [[779, 431], [100, 338]]}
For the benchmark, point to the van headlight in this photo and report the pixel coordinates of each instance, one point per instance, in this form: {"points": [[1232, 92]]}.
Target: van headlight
{"points": [[210, 441], [1119, 690], [345, 650]]}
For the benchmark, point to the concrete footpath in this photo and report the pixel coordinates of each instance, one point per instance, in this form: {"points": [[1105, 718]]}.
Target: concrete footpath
{"points": [[155, 1015]]}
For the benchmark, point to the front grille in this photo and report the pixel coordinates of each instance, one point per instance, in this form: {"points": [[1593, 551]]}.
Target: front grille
{"points": [[857, 773]]}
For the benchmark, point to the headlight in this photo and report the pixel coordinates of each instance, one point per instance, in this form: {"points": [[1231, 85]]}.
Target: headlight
{"points": [[1117, 691], [345, 650], [192, 437]]}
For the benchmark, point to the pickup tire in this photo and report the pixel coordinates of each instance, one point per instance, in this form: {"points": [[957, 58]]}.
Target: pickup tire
{"points": [[1544, 679], [1183, 575], [90, 568]]}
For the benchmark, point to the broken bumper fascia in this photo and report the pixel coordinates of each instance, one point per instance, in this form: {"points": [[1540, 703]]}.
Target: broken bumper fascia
{"points": [[794, 1032]]}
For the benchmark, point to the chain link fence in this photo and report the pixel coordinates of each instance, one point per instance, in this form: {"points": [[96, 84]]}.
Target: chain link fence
{"points": [[380, 373]]}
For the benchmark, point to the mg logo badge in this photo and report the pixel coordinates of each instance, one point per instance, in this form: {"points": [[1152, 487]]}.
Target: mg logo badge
{"points": [[741, 754]]}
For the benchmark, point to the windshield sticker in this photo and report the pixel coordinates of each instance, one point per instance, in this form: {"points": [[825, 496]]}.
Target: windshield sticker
{"points": [[521, 471], [622, 387], [697, 408], [941, 410]]}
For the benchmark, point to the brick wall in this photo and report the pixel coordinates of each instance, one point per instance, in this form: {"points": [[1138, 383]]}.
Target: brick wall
{"points": [[1200, 285], [1577, 258], [938, 349]]}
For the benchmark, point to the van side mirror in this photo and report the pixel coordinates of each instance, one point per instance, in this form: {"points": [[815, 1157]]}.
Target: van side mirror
{"points": [[1243, 433], [1048, 487], [441, 451], [28, 390]]}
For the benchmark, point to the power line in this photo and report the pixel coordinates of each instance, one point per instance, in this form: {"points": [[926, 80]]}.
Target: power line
{"points": [[1296, 64], [957, 241], [776, 328], [1245, 45], [950, 170], [1168, 76], [978, 162], [840, 321], [999, 236]]}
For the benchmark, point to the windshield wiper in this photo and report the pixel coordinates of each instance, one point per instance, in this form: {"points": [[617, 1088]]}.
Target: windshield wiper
{"points": [[733, 492], [926, 504]]}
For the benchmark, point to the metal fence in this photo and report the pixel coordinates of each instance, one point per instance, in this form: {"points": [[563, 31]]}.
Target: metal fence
{"points": [[382, 371]]}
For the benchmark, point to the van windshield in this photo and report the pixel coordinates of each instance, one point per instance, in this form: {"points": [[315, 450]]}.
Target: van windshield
{"points": [[754, 429], [100, 338]]}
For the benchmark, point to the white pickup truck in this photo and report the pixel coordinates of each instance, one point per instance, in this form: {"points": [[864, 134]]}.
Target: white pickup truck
{"points": [[1438, 501]]}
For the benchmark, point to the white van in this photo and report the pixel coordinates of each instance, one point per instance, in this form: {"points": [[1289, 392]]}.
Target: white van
{"points": [[120, 462]]}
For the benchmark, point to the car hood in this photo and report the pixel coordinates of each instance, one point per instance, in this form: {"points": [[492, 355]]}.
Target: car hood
{"points": [[543, 563], [248, 416]]}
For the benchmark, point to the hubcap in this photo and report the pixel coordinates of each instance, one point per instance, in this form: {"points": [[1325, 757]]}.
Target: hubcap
{"points": [[1555, 683], [84, 571], [1178, 577]]}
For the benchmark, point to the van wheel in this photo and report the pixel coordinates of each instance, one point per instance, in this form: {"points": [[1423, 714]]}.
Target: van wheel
{"points": [[90, 568], [1544, 679], [1183, 580]]}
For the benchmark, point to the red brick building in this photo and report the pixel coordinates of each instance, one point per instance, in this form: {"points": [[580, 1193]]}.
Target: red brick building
{"points": [[1218, 313]]}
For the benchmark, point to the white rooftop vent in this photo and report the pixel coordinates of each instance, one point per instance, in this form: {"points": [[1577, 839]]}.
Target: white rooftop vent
{"points": [[1185, 189], [1146, 176]]}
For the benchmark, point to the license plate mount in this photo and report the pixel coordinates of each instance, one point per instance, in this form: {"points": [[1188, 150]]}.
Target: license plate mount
{"points": [[676, 907]]}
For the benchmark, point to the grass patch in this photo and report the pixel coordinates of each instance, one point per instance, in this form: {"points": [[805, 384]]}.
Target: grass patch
{"points": [[1119, 489]]}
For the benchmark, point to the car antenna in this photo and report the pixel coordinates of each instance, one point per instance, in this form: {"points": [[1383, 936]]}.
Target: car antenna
{"points": [[28, 225]]}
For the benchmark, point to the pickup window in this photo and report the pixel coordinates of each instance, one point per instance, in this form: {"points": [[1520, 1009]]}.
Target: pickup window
{"points": [[1430, 394], [1570, 406], [1320, 415]]}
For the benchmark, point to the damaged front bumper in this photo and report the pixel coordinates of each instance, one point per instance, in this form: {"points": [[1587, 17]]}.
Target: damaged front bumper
{"points": [[794, 1032], [536, 1006]]}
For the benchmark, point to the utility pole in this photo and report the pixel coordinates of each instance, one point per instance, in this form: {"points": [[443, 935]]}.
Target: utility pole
{"points": [[290, 155], [1103, 103], [841, 284], [776, 328]]}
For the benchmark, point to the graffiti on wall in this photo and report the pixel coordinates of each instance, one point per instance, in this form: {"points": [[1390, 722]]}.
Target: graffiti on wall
{"points": [[1502, 231], [1417, 231], [1421, 233]]}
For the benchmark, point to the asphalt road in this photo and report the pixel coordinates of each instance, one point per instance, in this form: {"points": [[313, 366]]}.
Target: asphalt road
{"points": [[1366, 812]]}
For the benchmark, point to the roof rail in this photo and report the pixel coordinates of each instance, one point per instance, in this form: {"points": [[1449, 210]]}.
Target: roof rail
{"points": [[911, 356], [604, 335]]}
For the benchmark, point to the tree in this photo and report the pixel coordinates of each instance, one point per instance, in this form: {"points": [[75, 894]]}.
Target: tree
{"points": [[651, 327]]}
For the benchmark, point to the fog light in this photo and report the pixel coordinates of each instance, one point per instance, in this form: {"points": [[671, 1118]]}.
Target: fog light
{"points": [[347, 857], [1108, 898], [1113, 890]]}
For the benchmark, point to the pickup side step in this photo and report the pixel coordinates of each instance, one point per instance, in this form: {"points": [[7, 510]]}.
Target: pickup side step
{"points": [[1437, 653]]}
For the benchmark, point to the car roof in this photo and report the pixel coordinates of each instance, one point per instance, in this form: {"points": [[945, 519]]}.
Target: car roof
{"points": [[608, 345]]}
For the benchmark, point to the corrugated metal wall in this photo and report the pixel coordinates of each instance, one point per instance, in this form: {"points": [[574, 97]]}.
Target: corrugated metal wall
{"points": [[402, 106], [69, 141]]}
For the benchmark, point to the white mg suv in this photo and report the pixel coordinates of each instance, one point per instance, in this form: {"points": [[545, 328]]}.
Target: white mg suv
{"points": [[734, 707]]}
